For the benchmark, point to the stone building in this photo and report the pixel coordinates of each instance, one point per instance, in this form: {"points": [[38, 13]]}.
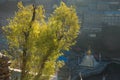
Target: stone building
{"points": [[94, 13]]}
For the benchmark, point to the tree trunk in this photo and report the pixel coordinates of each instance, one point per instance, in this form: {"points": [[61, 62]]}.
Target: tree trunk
{"points": [[23, 67], [24, 70]]}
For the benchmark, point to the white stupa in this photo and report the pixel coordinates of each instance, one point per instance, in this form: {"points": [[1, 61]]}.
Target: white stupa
{"points": [[89, 60]]}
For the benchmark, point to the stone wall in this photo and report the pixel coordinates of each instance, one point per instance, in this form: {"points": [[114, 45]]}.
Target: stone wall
{"points": [[4, 70]]}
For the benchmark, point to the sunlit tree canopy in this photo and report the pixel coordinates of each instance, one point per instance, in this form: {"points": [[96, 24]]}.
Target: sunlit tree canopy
{"points": [[39, 42]]}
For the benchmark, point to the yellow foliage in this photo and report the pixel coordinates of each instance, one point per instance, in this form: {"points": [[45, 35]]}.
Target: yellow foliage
{"points": [[43, 40]]}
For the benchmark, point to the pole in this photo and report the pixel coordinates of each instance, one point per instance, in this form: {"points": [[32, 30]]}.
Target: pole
{"points": [[80, 76]]}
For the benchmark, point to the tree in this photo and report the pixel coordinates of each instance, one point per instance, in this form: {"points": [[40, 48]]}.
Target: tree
{"points": [[38, 41]]}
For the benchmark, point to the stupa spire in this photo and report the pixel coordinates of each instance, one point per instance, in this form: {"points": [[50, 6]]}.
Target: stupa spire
{"points": [[88, 59], [89, 52]]}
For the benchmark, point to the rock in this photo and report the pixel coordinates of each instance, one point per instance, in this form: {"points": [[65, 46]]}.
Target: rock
{"points": [[4, 67]]}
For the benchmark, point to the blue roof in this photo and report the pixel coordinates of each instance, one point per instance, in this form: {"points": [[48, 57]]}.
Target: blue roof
{"points": [[63, 58], [112, 12]]}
